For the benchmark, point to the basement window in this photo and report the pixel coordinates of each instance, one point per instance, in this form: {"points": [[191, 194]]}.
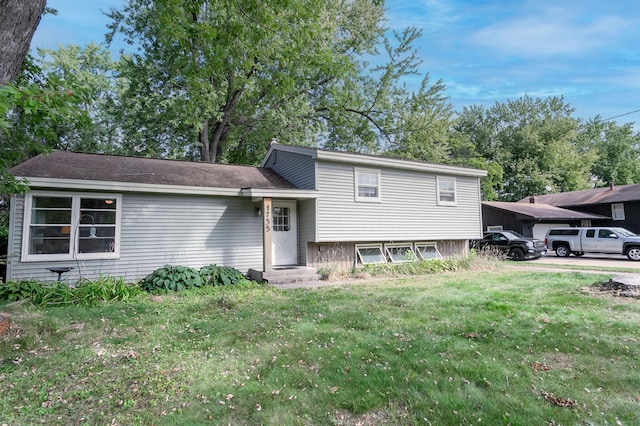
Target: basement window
{"points": [[370, 253], [400, 252], [428, 251]]}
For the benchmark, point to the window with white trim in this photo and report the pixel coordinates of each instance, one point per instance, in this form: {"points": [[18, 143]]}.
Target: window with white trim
{"points": [[367, 185], [400, 252], [617, 211], [446, 190], [65, 227], [427, 251], [370, 253]]}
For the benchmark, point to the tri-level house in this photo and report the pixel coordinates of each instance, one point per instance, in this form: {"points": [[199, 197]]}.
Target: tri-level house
{"points": [[93, 214]]}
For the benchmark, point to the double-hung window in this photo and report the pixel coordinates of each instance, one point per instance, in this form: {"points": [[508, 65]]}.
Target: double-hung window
{"points": [[446, 191], [367, 185], [65, 227]]}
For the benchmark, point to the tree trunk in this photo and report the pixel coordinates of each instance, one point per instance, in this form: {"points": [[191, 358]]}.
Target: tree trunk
{"points": [[205, 156], [18, 21]]}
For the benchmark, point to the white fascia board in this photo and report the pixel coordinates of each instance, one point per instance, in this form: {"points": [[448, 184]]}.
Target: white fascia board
{"points": [[258, 194], [101, 185], [373, 161]]}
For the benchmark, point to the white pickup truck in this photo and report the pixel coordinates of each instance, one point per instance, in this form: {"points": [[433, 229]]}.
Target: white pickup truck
{"points": [[579, 241]]}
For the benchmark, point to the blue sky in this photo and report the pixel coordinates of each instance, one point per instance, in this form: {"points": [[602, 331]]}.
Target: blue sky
{"points": [[484, 51]]}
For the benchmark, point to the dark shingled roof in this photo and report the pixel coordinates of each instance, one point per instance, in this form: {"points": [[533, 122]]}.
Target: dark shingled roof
{"points": [[540, 211], [73, 165], [617, 194]]}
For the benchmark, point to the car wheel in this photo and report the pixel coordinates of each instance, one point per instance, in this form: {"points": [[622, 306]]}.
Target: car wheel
{"points": [[579, 253], [633, 253], [516, 254], [563, 251]]}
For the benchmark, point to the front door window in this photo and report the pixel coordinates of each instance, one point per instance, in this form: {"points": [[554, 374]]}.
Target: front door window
{"points": [[281, 219]]}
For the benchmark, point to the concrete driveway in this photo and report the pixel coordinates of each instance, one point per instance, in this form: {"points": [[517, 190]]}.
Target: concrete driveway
{"points": [[587, 261]]}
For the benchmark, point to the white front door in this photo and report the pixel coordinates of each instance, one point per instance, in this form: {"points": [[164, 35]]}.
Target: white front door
{"points": [[285, 233]]}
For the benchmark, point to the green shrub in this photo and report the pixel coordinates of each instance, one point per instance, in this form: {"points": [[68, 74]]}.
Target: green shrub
{"points": [[19, 290], [171, 278], [105, 289], [87, 292], [220, 275]]}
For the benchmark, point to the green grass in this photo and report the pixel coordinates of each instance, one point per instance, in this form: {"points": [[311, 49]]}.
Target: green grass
{"points": [[476, 347]]}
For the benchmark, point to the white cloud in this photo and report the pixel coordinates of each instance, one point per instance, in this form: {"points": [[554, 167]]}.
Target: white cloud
{"points": [[552, 32]]}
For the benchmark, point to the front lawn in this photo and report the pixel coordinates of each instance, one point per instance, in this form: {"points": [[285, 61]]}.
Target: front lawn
{"points": [[490, 347]]}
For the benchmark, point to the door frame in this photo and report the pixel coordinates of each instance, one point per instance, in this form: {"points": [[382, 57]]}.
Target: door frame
{"points": [[290, 238]]}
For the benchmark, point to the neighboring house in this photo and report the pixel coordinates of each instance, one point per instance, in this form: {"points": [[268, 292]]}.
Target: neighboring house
{"points": [[619, 204], [532, 219], [126, 216]]}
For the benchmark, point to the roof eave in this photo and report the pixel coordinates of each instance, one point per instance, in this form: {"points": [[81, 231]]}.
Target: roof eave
{"points": [[375, 161], [258, 194], [100, 185], [346, 157]]}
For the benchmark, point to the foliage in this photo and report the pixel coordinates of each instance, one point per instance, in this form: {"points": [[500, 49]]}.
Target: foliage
{"points": [[533, 141], [171, 278], [616, 149], [31, 109], [91, 74], [105, 289], [87, 292], [19, 290], [221, 275], [219, 80], [446, 348], [431, 266]]}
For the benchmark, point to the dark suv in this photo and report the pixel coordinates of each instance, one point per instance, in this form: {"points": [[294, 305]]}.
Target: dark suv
{"points": [[514, 245]]}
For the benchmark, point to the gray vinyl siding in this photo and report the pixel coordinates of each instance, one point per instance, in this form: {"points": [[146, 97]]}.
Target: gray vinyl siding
{"points": [[158, 230], [306, 227], [408, 210], [298, 169]]}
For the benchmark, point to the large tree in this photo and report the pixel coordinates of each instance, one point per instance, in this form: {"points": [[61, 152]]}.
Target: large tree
{"points": [[18, 21], [218, 80], [90, 73], [616, 149], [533, 140]]}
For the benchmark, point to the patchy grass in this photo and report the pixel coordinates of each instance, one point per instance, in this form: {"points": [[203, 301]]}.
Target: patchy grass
{"points": [[474, 347]]}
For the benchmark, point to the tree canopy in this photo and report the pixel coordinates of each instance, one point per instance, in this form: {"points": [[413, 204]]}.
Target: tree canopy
{"points": [[534, 142], [218, 80]]}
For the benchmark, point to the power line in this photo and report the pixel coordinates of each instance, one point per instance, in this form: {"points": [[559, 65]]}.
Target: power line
{"points": [[621, 115]]}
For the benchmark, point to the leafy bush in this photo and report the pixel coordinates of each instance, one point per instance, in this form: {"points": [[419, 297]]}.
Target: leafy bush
{"points": [[105, 289], [87, 292], [19, 290], [171, 278], [220, 275]]}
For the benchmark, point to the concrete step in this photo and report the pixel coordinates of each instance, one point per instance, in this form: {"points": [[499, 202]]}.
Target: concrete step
{"points": [[288, 275]]}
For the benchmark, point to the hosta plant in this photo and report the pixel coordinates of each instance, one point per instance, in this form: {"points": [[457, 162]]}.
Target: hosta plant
{"points": [[171, 278], [220, 275]]}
